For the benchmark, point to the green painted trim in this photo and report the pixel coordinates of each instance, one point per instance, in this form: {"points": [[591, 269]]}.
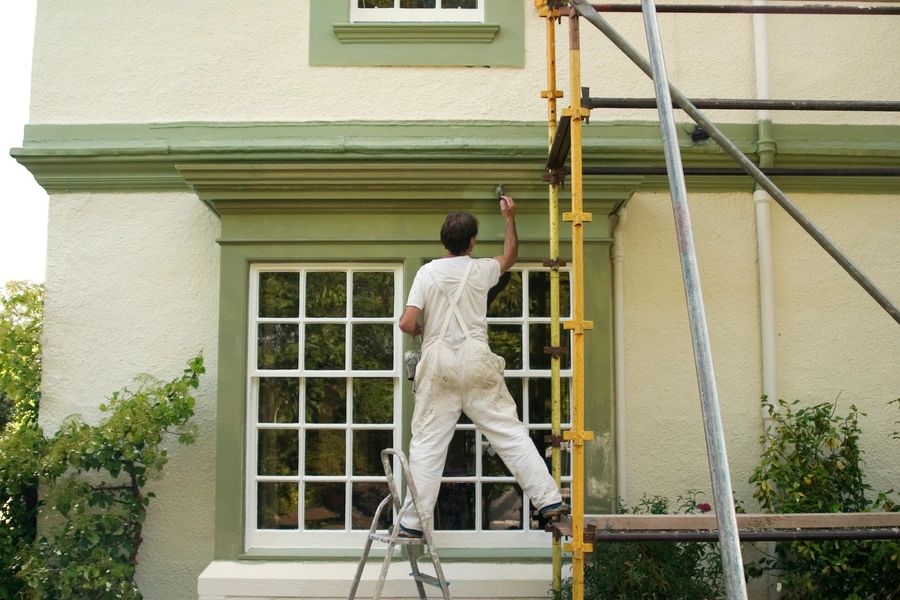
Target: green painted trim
{"points": [[415, 33], [413, 162], [333, 40], [236, 258]]}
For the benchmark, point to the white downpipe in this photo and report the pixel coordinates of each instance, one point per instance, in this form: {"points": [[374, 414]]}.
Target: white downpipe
{"points": [[763, 203], [618, 266]]}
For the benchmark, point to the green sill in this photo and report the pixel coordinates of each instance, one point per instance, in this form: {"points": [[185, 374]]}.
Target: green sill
{"points": [[415, 33]]}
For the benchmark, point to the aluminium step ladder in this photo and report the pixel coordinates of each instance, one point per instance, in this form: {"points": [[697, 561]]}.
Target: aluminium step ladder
{"points": [[392, 537]]}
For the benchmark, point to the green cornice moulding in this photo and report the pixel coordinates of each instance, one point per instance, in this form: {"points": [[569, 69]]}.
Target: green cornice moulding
{"points": [[394, 161]]}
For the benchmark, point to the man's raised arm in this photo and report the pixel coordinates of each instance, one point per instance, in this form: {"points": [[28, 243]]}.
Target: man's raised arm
{"points": [[511, 241]]}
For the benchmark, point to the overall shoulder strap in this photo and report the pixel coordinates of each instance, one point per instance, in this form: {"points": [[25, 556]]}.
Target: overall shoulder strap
{"points": [[454, 303]]}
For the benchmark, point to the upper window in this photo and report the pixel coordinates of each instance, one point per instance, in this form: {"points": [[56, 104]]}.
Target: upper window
{"points": [[417, 11]]}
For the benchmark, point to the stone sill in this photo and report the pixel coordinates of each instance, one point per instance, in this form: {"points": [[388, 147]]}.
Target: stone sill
{"points": [[254, 580]]}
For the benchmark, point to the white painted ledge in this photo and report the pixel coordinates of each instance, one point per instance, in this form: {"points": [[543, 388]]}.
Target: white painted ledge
{"points": [[253, 580]]}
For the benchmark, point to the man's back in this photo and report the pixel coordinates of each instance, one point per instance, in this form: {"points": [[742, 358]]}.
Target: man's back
{"points": [[435, 286]]}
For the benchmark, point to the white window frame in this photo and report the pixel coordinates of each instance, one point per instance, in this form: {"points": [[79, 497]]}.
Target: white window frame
{"points": [[416, 15], [525, 537], [338, 538]]}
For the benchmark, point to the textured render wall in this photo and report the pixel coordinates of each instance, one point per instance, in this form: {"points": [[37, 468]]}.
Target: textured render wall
{"points": [[132, 287], [115, 61], [832, 337]]}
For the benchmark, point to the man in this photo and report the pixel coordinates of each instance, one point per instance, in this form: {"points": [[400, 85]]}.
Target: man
{"points": [[458, 372]]}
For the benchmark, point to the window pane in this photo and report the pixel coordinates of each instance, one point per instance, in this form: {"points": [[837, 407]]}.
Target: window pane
{"points": [[278, 346], [279, 400], [373, 346], [459, 4], [326, 294], [455, 508], [325, 346], [417, 3], [325, 452], [501, 506], [539, 400], [324, 506], [367, 447], [276, 505], [539, 294], [326, 400], [506, 341], [373, 294], [539, 338], [461, 456], [279, 295], [505, 298], [366, 497], [373, 400], [277, 451], [375, 3]]}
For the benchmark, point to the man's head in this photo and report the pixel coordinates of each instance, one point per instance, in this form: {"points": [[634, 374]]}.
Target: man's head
{"points": [[457, 232]]}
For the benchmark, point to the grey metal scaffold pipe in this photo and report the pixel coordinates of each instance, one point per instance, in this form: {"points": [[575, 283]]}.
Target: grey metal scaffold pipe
{"points": [[729, 542], [751, 104], [755, 9], [591, 15]]}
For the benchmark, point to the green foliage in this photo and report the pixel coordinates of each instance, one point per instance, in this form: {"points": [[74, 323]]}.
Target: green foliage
{"points": [[94, 477], [812, 462], [21, 442], [21, 324], [653, 571]]}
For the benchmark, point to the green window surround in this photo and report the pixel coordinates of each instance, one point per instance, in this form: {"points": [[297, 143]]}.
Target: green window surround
{"points": [[498, 42]]}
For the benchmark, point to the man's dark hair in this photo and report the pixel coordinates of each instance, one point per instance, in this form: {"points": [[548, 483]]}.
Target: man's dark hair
{"points": [[457, 231]]}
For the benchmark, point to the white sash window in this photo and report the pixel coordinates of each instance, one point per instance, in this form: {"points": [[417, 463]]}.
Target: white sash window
{"points": [[417, 11]]}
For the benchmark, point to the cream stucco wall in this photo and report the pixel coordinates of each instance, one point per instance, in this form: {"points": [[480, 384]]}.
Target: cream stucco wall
{"points": [[132, 287], [115, 61], [833, 339]]}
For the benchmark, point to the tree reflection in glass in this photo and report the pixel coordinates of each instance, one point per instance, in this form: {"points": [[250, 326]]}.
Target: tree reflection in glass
{"points": [[279, 295], [277, 451], [373, 346], [325, 346], [373, 294], [278, 346], [325, 452], [326, 400], [326, 294], [276, 505], [324, 508], [373, 400], [279, 400]]}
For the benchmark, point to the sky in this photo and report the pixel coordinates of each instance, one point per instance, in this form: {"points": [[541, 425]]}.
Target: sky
{"points": [[23, 203]]}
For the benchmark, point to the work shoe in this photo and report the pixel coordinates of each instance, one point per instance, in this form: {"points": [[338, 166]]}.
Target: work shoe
{"points": [[552, 511], [409, 533]]}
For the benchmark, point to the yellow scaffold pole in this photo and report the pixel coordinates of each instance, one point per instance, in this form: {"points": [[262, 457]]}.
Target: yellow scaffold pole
{"points": [[578, 324], [551, 94]]}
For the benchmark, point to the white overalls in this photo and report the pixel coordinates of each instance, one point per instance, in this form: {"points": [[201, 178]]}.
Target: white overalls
{"points": [[459, 373]]}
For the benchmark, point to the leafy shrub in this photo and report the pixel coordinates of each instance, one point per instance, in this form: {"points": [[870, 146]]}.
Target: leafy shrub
{"points": [[95, 476], [812, 462], [653, 570], [21, 324]]}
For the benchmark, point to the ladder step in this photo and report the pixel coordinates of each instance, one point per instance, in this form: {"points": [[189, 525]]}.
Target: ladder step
{"points": [[385, 538], [428, 579]]}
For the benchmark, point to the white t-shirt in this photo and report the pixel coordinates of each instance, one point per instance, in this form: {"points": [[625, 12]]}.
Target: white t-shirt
{"points": [[427, 296]]}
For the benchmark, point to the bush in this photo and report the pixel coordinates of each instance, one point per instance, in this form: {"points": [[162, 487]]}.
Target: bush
{"points": [[653, 570], [812, 462], [21, 324]]}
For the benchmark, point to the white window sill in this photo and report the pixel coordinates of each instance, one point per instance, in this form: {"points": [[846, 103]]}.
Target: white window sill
{"points": [[227, 580]]}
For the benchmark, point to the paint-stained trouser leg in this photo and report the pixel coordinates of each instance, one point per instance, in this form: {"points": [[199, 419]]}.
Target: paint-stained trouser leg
{"points": [[437, 410], [489, 405]]}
